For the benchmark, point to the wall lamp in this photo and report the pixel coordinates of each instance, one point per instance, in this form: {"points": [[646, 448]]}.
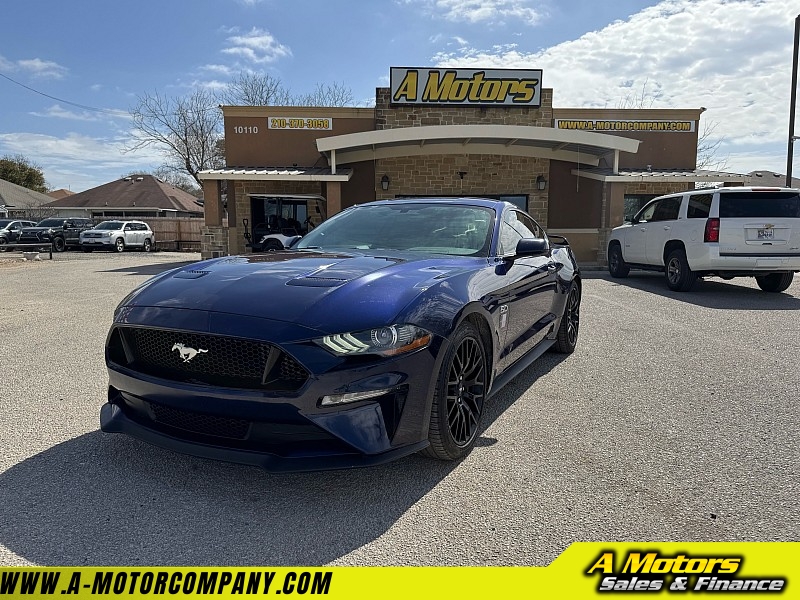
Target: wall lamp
{"points": [[385, 182], [541, 183]]}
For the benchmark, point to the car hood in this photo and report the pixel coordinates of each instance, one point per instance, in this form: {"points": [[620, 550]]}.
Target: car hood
{"points": [[324, 291]]}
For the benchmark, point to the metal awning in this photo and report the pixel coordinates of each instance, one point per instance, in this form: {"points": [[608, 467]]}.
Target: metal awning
{"points": [[662, 176], [509, 140], [277, 174]]}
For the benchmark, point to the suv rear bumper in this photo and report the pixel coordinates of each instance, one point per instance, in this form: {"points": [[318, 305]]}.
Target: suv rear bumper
{"points": [[708, 258]]}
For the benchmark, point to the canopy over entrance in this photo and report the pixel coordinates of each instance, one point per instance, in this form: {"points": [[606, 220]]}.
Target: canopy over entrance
{"points": [[509, 140]]}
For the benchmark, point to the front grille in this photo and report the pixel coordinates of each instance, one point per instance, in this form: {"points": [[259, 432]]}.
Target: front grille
{"points": [[225, 427], [206, 359]]}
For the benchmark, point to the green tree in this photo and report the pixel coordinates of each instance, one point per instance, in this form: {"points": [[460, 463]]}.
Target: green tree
{"points": [[18, 169]]}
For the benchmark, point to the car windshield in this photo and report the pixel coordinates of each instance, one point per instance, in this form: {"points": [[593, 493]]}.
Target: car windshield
{"points": [[51, 223], [110, 225], [4, 223], [434, 227]]}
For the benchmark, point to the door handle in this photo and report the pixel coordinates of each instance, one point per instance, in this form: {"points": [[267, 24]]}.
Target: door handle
{"points": [[642, 228], [666, 227], [552, 267]]}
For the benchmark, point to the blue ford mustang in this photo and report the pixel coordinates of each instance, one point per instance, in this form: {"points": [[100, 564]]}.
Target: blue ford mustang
{"points": [[382, 332]]}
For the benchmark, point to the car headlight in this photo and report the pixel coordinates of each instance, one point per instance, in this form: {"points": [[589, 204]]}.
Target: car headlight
{"points": [[385, 341], [107, 234]]}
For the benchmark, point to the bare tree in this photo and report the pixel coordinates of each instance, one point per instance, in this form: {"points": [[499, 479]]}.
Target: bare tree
{"points": [[255, 89], [185, 129], [326, 94], [708, 148]]}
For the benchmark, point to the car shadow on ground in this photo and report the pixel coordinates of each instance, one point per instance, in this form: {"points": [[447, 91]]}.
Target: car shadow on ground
{"points": [[709, 293], [150, 268], [111, 500]]}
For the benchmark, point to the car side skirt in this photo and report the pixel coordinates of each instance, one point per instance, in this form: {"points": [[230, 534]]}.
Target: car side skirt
{"points": [[520, 365]]}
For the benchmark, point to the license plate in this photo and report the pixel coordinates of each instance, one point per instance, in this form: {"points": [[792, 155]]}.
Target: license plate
{"points": [[766, 234]]}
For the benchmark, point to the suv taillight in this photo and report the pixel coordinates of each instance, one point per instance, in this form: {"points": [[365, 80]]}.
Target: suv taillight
{"points": [[712, 231]]}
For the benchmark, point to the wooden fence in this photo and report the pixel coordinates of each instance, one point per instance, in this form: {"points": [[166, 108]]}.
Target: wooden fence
{"points": [[177, 233]]}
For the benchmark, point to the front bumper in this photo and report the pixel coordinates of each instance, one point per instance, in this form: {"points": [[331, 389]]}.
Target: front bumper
{"points": [[97, 243], [282, 431]]}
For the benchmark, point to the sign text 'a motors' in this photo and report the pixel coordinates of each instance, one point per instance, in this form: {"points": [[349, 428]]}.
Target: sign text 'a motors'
{"points": [[506, 87]]}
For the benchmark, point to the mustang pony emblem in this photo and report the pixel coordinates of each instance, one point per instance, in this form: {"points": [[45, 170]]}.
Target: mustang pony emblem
{"points": [[187, 353]]}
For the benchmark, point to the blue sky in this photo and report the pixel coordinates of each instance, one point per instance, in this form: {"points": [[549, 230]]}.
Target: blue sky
{"points": [[732, 57]]}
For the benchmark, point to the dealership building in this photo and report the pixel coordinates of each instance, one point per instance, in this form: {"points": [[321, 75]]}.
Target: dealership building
{"points": [[456, 132]]}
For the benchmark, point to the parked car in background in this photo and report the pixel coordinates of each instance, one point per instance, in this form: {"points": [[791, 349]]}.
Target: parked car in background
{"points": [[10, 230], [62, 232], [382, 332], [726, 232], [118, 235]]}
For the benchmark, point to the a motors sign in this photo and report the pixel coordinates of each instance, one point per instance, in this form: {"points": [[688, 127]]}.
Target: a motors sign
{"points": [[496, 87]]}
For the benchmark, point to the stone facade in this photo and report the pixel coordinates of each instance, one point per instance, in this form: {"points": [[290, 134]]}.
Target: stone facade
{"points": [[214, 241], [393, 117], [482, 175], [658, 189]]}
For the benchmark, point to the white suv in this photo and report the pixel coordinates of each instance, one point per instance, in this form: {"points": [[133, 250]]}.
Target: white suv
{"points": [[118, 235], [726, 232]]}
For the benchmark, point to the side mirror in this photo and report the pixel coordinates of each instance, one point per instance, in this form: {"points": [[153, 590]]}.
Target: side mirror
{"points": [[532, 247], [633, 220]]}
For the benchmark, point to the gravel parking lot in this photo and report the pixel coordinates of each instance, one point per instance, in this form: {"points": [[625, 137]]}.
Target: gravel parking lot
{"points": [[676, 419]]}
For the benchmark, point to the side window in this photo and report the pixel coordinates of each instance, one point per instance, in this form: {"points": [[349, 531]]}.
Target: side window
{"points": [[515, 226], [646, 213], [68, 224], [667, 209], [699, 206], [127, 227]]}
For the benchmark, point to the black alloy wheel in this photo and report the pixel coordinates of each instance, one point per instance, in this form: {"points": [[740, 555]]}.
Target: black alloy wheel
{"points": [[460, 396], [59, 245], [567, 338], [680, 277], [616, 264]]}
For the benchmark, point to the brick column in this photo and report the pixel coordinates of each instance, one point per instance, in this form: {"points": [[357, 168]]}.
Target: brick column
{"points": [[212, 202]]}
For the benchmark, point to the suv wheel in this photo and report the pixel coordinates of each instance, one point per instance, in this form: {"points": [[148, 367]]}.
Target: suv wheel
{"points": [[148, 245], [680, 278], [775, 282], [617, 266], [59, 245], [119, 245], [3, 242]]}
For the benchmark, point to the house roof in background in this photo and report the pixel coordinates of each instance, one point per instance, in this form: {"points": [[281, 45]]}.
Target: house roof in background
{"points": [[140, 191], [58, 194], [16, 196], [771, 179]]}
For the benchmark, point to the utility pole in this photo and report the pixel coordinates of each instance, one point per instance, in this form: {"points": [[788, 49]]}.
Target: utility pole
{"points": [[792, 103]]}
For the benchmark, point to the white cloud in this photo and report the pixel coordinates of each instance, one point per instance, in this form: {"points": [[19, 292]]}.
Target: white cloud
{"points": [[493, 12], [733, 57], [257, 46], [59, 112], [78, 162], [42, 68], [224, 70]]}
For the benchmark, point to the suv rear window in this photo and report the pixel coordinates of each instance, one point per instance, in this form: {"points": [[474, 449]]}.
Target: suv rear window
{"points": [[759, 204]]}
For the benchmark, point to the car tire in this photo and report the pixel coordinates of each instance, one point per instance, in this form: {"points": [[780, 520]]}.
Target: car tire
{"points": [[59, 245], [147, 246], [567, 337], [272, 246], [3, 242], [457, 409], [119, 245], [617, 267], [775, 282], [679, 277]]}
